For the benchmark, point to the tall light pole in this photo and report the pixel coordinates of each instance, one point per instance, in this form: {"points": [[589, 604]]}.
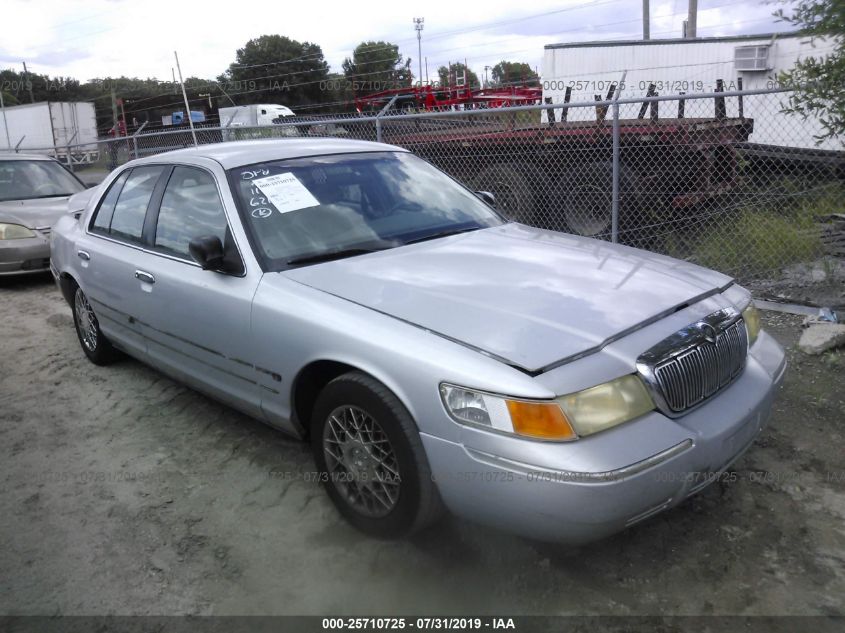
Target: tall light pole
{"points": [[646, 21], [418, 27]]}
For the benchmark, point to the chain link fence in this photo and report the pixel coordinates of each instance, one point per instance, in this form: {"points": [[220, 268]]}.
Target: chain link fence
{"points": [[726, 180]]}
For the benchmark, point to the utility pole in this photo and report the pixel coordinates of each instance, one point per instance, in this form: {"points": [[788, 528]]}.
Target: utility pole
{"points": [[28, 83], [691, 19], [5, 122], [185, 97], [116, 127], [646, 25], [486, 68], [418, 27]]}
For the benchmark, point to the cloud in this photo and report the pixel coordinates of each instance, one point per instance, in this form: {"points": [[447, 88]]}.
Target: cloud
{"points": [[137, 38]]}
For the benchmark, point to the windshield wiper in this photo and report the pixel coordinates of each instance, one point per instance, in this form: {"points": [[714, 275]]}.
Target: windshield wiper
{"points": [[439, 234], [328, 256]]}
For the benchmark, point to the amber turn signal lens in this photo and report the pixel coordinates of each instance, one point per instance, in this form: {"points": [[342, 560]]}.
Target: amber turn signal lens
{"points": [[541, 420]]}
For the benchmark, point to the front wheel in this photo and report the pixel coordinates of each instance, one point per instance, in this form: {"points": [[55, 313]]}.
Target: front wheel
{"points": [[96, 346], [371, 459]]}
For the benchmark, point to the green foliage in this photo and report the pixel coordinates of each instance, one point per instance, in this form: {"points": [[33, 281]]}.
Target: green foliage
{"points": [[767, 236], [376, 66], [510, 73], [820, 80], [449, 76], [277, 69]]}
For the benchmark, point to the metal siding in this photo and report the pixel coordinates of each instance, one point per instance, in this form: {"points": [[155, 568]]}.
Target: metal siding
{"points": [[688, 67]]}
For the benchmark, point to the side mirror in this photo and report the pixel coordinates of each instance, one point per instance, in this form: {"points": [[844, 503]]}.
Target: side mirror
{"points": [[207, 251], [487, 197]]}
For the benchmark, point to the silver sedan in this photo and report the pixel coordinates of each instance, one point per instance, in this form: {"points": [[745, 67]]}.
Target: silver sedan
{"points": [[435, 355]]}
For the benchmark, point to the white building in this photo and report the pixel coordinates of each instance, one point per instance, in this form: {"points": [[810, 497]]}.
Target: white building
{"points": [[690, 66]]}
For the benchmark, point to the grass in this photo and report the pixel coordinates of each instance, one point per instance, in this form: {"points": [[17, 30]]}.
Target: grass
{"points": [[777, 230]]}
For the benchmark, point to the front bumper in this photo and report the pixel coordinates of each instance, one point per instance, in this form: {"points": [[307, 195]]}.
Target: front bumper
{"points": [[549, 491], [24, 256]]}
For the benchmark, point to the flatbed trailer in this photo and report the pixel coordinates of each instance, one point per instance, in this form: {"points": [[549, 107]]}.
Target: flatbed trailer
{"points": [[559, 175]]}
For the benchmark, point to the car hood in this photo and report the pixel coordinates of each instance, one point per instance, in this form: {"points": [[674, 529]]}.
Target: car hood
{"points": [[530, 297], [38, 213]]}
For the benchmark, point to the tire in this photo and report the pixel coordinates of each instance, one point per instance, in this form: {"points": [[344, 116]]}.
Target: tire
{"points": [[94, 343], [586, 195], [370, 458], [518, 189]]}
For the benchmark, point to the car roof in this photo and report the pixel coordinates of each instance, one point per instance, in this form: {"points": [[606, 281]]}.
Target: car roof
{"points": [[237, 153], [15, 156]]}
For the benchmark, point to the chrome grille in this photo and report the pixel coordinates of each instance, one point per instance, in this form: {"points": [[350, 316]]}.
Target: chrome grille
{"points": [[693, 364]]}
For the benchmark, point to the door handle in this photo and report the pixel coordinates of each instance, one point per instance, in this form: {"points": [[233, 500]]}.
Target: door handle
{"points": [[146, 277], [83, 255]]}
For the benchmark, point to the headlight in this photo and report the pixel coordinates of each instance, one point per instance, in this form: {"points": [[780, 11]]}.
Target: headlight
{"points": [[543, 420], [14, 232], [606, 405], [566, 418], [751, 316]]}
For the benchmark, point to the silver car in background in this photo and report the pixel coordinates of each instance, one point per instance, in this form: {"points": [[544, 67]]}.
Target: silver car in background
{"points": [[434, 354], [34, 193]]}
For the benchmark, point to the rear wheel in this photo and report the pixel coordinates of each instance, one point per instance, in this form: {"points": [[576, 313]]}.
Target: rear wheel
{"points": [[370, 457], [96, 346], [587, 199]]}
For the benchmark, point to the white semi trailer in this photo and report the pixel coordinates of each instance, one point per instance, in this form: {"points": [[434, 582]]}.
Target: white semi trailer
{"points": [[66, 130], [251, 116]]}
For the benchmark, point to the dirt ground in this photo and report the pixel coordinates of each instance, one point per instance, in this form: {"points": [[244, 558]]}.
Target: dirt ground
{"points": [[126, 493]]}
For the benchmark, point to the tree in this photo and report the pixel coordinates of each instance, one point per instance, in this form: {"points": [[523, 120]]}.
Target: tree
{"points": [[276, 68], [510, 73], [454, 73], [819, 80], [376, 66]]}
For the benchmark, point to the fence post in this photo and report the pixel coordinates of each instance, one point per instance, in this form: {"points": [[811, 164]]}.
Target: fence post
{"points": [[614, 217], [382, 111], [135, 138], [614, 210]]}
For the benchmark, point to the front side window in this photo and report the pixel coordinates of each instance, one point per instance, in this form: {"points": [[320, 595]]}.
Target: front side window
{"points": [[31, 179], [301, 208], [191, 208], [128, 217]]}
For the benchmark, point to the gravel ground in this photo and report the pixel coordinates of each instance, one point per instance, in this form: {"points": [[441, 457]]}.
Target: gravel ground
{"points": [[125, 493]]}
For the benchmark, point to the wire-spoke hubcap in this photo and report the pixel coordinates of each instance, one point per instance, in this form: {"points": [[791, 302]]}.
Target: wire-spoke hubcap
{"points": [[360, 461], [86, 320]]}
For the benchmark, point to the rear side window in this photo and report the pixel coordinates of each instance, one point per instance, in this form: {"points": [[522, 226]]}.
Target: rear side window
{"points": [[190, 208], [128, 217], [102, 221]]}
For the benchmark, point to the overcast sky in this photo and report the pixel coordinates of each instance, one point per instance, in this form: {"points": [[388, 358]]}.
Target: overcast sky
{"points": [[136, 38]]}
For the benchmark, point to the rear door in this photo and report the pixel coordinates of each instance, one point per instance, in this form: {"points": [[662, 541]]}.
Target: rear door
{"points": [[111, 250], [197, 321]]}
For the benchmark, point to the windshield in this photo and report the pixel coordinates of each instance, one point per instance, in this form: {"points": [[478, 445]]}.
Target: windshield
{"points": [[301, 209], [30, 179]]}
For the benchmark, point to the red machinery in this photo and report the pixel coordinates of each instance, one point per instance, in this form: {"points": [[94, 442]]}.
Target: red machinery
{"points": [[430, 98]]}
